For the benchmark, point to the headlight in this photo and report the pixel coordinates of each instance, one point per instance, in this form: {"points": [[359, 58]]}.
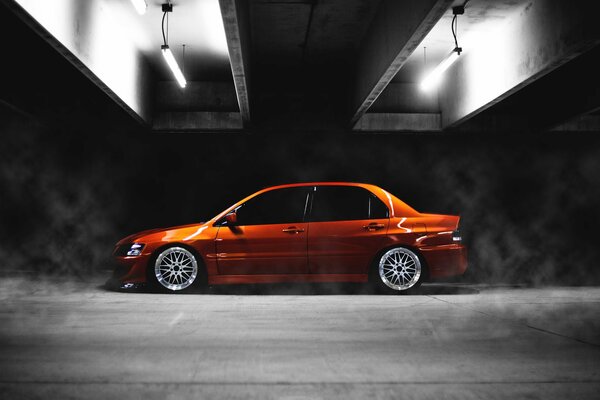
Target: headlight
{"points": [[135, 249]]}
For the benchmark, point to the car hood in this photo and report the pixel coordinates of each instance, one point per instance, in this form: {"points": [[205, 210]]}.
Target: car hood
{"points": [[136, 236]]}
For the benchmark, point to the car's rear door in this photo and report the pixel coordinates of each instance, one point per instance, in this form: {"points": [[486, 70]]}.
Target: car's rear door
{"points": [[346, 229], [270, 236]]}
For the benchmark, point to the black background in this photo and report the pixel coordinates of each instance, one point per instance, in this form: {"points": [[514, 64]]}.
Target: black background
{"points": [[77, 174], [529, 204]]}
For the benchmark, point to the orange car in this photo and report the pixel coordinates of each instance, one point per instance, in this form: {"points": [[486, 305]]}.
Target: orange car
{"points": [[307, 232]]}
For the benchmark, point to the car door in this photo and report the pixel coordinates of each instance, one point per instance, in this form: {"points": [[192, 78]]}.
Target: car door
{"points": [[346, 229], [270, 236]]}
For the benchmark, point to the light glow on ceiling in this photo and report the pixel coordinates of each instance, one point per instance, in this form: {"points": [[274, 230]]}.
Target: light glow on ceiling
{"points": [[209, 23], [140, 6]]}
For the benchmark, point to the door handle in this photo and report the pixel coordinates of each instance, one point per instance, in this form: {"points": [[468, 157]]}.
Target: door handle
{"points": [[374, 226], [292, 229]]}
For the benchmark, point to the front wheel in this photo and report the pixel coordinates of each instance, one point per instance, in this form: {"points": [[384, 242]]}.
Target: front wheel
{"points": [[398, 270], [175, 269]]}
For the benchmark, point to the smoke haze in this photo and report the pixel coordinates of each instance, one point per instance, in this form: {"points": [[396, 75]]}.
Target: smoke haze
{"points": [[528, 203]]}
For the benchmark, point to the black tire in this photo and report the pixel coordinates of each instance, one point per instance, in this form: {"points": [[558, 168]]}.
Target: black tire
{"points": [[176, 269], [397, 270]]}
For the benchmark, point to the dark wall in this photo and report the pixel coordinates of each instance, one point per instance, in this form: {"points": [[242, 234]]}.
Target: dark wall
{"points": [[77, 174], [529, 202]]}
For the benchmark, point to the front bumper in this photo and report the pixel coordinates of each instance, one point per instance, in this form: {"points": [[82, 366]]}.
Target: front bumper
{"points": [[129, 273], [115, 284]]}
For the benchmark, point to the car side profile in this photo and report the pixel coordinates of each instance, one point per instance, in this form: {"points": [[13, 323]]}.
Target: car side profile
{"points": [[307, 232]]}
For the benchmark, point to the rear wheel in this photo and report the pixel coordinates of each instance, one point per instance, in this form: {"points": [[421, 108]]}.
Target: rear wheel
{"points": [[175, 269], [398, 270]]}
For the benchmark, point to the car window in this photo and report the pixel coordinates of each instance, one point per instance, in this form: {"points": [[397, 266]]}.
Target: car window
{"points": [[377, 209], [280, 206], [344, 203]]}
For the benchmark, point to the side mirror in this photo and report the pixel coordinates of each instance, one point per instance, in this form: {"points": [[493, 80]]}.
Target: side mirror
{"points": [[231, 218]]}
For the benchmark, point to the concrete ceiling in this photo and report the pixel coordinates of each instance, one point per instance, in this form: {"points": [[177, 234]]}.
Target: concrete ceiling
{"points": [[287, 33], [481, 18], [333, 34], [317, 59]]}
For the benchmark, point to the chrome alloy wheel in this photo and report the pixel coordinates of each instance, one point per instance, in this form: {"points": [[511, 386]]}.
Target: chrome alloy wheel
{"points": [[176, 268], [399, 269]]}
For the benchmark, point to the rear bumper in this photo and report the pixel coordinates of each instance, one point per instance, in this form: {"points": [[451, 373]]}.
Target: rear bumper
{"points": [[445, 261]]}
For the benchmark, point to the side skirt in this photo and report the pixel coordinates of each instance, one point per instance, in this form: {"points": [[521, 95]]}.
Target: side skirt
{"points": [[249, 279]]}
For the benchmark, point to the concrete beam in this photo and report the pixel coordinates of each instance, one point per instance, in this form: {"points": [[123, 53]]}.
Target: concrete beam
{"points": [[583, 123], [535, 41], [397, 122], [394, 33], [91, 35], [237, 30], [197, 96], [200, 121]]}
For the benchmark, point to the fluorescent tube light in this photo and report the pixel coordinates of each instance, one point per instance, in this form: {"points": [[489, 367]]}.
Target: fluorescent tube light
{"points": [[168, 55], [140, 6], [434, 78]]}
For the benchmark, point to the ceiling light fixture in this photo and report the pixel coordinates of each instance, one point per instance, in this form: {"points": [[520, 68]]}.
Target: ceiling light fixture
{"points": [[166, 51], [435, 76], [140, 6]]}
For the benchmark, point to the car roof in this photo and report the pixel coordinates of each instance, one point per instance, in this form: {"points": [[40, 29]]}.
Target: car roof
{"points": [[397, 207], [326, 183]]}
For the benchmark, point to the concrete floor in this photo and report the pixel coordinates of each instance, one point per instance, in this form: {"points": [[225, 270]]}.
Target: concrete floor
{"points": [[60, 340]]}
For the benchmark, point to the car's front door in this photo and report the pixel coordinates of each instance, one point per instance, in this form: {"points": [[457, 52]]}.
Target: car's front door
{"points": [[270, 235], [346, 229]]}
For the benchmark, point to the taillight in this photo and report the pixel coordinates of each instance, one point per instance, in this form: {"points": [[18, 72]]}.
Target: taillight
{"points": [[456, 236]]}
